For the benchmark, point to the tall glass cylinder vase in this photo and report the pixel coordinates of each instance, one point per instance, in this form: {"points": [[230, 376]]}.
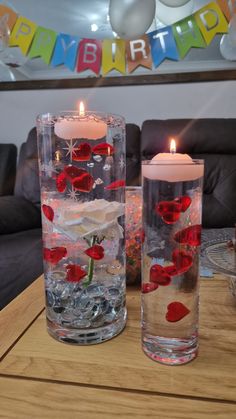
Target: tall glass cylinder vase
{"points": [[172, 210], [82, 173]]}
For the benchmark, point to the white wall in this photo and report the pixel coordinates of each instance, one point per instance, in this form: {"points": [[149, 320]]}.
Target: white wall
{"points": [[18, 109]]}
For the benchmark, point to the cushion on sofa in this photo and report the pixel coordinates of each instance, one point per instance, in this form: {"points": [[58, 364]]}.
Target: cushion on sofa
{"points": [[214, 141], [8, 153], [17, 214]]}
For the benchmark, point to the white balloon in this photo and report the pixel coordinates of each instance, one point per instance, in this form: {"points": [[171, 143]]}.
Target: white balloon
{"points": [[131, 18], [174, 3], [6, 74], [170, 15], [232, 30], [227, 49]]}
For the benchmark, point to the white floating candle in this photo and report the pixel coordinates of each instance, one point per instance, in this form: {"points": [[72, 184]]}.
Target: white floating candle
{"points": [[172, 167], [81, 126]]}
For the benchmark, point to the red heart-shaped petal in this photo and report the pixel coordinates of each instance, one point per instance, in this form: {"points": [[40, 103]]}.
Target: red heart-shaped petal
{"points": [[74, 273], [48, 212], [95, 252], [190, 235], [61, 182], [176, 311], [159, 275], [169, 211], [82, 152], [149, 287], [72, 172], [54, 255], [115, 185], [84, 182], [171, 270], [182, 259], [103, 149], [184, 201]]}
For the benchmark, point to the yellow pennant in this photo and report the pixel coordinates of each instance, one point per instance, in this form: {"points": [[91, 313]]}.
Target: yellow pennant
{"points": [[113, 55], [8, 16], [22, 34], [211, 20]]}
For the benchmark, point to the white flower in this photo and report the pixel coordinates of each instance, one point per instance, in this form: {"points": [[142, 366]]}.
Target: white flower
{"points": [[93, 218]]}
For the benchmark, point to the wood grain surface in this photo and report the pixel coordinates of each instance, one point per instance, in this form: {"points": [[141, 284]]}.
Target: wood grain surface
{"points": [[24, 399], [121, 364], [17, 315]]}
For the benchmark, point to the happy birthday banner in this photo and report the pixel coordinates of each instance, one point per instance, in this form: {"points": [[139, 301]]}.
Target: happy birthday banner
{"points": [[102, 56]]}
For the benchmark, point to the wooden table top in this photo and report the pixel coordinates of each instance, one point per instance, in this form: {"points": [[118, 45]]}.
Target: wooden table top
{"points": [[43, 378]]}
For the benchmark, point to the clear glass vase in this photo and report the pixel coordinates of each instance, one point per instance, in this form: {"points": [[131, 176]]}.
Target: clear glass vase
{"points": [[82, 175], [172, 213]]}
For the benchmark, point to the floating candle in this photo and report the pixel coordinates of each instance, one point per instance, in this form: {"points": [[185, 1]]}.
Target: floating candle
{"points": [[172, 167], [81, 125]]}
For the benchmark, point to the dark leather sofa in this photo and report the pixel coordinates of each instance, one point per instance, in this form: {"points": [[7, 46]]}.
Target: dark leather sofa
{"points": [[213, 140]]}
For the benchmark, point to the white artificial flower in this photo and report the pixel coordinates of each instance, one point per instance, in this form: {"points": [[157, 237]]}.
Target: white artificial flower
{"points": [[93, 218]]}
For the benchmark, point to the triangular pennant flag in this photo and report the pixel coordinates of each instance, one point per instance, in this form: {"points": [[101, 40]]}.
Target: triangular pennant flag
{"points": [[211, 20], [43, 44], [187, 35], [163, 45], [90, 55], [65, 51], [22, 34], [138, 53], [113, 56]]}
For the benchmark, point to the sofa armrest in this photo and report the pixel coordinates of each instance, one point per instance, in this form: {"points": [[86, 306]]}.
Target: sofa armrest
{"points": [[18, 214], [8, 153]]}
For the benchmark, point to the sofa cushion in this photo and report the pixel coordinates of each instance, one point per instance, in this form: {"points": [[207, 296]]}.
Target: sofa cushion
{"points": [[8, 153], [27, 178], [132, 154], [20, 262], [17, 214], [214, 141]]}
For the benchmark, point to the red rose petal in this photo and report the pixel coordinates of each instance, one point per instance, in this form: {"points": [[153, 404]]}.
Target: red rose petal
{"points": [[82, 152], [171, 270], [176, 311], [54, 255], [95, 252], [182, 259], [190, 235], [61, 182], [48, 212], [169, 211], [103, 149], [74, 273], [115, 185], [159, 275], [72, 172], [185, 202], [83, 183], [149, 287]]}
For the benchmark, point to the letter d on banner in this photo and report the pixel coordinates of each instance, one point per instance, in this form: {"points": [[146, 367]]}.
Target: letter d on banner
{"points": [[211, 20], [22, 34]]}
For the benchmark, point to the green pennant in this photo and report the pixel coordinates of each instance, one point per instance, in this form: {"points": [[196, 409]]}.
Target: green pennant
{"points": [[187, 35], [43, 44]]}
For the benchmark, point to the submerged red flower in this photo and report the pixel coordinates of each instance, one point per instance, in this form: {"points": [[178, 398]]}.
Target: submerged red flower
{"points": [[74, 273], [190, 235], [48, 212], [71, 172], [176, 311], [54, 255], [95, 252]]}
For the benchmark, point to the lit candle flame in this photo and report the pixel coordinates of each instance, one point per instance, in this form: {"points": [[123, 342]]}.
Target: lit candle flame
{"points": [[172, 146], [81, 109]]}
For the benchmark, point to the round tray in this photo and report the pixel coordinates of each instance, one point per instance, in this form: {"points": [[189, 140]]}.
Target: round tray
{"points": [[222, 258]]}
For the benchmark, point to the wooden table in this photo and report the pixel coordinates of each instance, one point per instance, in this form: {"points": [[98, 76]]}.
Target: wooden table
{"points": [[43, 378]]}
